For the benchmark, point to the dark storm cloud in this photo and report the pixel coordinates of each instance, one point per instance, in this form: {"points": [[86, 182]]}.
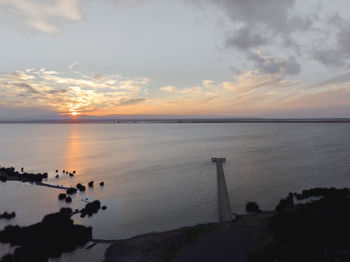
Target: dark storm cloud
{"points": [[272, 65]]}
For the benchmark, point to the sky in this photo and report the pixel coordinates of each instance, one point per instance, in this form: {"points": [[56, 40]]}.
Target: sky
{"points": [[222, 58]]}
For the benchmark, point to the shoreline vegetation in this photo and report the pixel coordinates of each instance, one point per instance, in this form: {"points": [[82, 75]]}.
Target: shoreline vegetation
{"points": [[309, 226]]}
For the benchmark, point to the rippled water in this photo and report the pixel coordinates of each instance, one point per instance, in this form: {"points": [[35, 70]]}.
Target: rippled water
{"points": [[159, 176]]}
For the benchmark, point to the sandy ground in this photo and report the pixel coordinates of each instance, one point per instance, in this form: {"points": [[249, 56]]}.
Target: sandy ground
{"points": [[210, 242]]}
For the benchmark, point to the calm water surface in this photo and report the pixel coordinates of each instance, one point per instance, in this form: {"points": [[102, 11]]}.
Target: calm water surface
{"points": [[159, 176]]}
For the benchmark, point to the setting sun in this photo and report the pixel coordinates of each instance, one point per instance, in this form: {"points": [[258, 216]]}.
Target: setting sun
{"points": [[74, 113]]}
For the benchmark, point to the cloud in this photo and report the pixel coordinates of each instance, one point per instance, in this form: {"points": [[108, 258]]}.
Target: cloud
{"points": [[338, 53], [170, 89], [249, 93], [133, 101], [259, 20], [272, 65], [339, 79], [76, 92], [246, 39], [74, 64], [305, 30], [44, 15], [251, 80]]}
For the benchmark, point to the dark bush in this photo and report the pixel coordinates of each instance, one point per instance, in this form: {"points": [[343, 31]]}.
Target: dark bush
{"points": [[8, 216], [252, 207], [51, 237]]}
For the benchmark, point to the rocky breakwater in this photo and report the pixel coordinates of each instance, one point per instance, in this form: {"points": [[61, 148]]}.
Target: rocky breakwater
{"points": [[10, 174]]}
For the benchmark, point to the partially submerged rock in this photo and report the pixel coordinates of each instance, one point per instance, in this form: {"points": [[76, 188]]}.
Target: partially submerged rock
{"points": [[68, 200], [91, 208], [91, 184], [62, 196], [71, 191], [11, 174], [81, 187]]}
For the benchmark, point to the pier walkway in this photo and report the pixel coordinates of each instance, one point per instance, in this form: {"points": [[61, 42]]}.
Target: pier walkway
{"points": [[225, 214]]}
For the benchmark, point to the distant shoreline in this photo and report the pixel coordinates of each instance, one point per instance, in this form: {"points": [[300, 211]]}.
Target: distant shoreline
{"points": [[180, 121]]}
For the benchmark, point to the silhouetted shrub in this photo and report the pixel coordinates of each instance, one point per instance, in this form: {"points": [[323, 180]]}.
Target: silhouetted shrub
{"points": [[286, 203], [313, 231], [54, 235], [252, 207], [6, 215]]}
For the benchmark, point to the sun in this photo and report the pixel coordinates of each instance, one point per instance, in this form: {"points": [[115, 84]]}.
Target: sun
{"points": [[74, 113]]}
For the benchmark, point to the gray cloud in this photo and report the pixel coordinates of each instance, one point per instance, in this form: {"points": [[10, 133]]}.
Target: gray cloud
{"points": [[44, 15], [338, 53], [26, 87], [273, 65], [260, 20], [272, 13], [133, 101], [343, 78], [245, 39]]}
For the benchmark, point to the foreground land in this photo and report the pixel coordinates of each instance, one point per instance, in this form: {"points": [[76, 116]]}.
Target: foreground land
{"points": [[308, 227], [208, 242]]}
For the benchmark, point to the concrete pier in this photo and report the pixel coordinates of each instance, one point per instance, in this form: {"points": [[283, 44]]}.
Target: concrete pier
{"points": [[225, 214]]}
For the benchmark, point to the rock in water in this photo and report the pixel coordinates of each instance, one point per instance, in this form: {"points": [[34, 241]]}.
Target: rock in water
{"points": [[62, 196], [71, 191], [91, 208], [81, 187]]}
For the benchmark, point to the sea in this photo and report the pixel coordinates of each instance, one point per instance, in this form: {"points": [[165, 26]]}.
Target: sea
{"points": [[159, 176]]}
